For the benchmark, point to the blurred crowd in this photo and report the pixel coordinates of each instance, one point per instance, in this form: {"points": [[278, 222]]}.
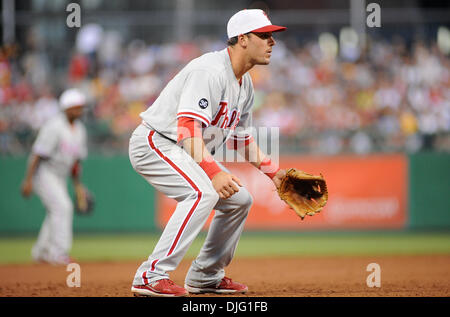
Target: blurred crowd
{"points": [[389, 97]]}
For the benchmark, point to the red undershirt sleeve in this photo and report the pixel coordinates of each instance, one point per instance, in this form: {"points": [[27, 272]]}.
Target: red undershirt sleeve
{"points": [[188, 128]]}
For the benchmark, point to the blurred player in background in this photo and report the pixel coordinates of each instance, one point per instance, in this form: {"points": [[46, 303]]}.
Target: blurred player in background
{"points": [[56, 153], [207, 104]]}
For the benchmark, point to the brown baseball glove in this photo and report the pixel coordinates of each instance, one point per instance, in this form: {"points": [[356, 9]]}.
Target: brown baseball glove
{"points": [[306, 194], [84, 200]]}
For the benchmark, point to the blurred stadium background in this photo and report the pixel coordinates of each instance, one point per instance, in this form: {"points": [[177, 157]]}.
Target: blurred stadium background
{"points": [[367, 107]]}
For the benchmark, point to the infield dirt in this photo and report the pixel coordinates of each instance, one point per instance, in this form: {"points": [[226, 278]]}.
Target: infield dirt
{"points": [[266, 277]]}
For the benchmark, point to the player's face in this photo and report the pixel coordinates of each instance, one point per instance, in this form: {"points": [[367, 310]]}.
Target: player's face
{"points": [[74, 113], [260, 47]]}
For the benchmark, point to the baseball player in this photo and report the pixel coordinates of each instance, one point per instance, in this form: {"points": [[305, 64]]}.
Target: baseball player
{"points": [[208, 103], [56, 153]]}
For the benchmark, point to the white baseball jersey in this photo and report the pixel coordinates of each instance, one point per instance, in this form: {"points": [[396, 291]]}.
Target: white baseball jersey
{"points": [[206, 89], [61, 143]]}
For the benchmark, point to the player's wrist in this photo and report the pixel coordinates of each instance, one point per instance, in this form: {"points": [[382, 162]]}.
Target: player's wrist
{"points": [[210, 167], [268, 167], [76, 170]]}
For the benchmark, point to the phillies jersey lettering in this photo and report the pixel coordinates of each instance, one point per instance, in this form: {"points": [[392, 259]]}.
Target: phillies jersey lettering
{"points": [[225, 119], [207, 90]]}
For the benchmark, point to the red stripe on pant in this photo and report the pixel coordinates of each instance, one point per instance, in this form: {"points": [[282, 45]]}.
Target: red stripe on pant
{"points": [[191, 211], [153, 265], [144, 275]]}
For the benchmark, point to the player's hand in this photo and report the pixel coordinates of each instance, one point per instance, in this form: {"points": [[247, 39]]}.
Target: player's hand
{"points": [[80, 194], [225, 184], [278, 177], [27, 188]]}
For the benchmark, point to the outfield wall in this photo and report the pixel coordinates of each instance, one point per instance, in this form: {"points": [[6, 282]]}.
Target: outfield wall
{"points": [[366, 192], [429, 191], [359, 195], [124, 201]]}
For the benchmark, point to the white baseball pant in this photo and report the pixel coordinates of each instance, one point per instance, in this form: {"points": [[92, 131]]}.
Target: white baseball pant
{"points": [[173, 172], [55, 236]]}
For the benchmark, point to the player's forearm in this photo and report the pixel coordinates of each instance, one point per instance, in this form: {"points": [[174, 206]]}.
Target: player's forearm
{"points": [[189, 135], [76, 172], [248, 149], [196, 148], [258, 159], [252, 154], [32, 167]]}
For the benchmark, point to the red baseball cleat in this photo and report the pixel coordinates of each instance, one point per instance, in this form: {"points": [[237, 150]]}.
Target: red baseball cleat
{"points": [[226, 286], [161, 288]]}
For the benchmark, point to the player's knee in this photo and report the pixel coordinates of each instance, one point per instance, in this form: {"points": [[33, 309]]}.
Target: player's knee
{"points": [[247, 201], [65, 206]]}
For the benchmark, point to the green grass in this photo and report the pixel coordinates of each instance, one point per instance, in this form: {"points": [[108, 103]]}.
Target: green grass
{"points": [[113, 247]]}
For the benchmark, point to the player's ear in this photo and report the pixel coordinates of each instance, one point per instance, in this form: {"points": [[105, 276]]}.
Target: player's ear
{"points": [[243, 40]]}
